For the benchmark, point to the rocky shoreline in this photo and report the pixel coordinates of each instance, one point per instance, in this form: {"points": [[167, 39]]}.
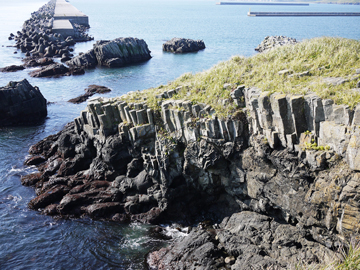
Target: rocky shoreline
{"points": [[126, 162]]}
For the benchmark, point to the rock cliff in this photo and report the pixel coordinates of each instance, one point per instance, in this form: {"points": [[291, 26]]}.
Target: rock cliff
{"points": [[280, 177], [21, 104]]}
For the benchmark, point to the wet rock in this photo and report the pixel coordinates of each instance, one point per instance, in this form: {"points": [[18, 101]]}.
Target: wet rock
{"points": [[53, 70], [49, 197], [36, 160], [21, 104], [31, 179], [246, 240], [12, 68], [182, 45], [90, 91], [31, 62]]}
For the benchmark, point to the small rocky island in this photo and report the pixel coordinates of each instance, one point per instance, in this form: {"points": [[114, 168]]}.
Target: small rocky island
{"points": [[21, 104], [183, 45], [115, 53]]}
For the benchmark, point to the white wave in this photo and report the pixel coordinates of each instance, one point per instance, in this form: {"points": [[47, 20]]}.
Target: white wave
{"points": [[175, 231]]}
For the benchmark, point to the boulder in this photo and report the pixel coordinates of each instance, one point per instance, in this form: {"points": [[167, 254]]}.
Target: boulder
{"points": [[115, 53], [183, 45], [21, 104], [271, 42]]}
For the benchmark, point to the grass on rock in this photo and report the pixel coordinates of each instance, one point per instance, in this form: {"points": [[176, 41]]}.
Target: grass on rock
{"points": [[307, 62]]}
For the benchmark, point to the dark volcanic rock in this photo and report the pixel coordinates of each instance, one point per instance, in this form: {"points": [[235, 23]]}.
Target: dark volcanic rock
{"points": [[90, 91], [182, 45], [34, 62], [115, 53], [57, 70], [245, 241], [21, 104], [271, 42], [12, 68], [85, 60], [53, 70]]}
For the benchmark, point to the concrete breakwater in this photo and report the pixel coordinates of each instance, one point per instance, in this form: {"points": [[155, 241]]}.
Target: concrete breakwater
{"points": [[260, 3], [301, 14], [65, 15], [42, 35]]}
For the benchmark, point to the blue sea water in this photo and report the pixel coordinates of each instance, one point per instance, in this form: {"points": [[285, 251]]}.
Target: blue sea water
{"points": [[32, 241]]}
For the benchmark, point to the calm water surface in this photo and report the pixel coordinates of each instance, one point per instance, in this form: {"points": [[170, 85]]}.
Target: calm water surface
{"points": [[32, 241]]}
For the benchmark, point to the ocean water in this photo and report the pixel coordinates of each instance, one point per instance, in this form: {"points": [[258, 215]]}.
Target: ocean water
{"points": [[29, 240]]}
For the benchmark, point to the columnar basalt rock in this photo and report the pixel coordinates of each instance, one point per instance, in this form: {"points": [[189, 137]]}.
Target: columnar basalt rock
{"points": [[290, 160], [21, 104]]}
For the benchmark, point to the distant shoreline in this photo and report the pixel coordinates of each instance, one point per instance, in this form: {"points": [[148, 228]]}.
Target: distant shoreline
{"points": [[295, 2]]}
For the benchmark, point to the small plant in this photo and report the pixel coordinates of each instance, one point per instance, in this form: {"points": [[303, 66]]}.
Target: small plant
{"points": [[313, 146]]}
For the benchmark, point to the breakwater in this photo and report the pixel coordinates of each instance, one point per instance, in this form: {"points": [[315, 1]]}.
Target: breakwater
{"points": [[263, 3], [301, 14], [65, 16]]}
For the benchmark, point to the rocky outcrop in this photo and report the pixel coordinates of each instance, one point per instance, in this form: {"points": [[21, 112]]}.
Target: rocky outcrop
{"points": [[21, 104], [271, 42], [90, 91], [183, 45], [56, 70], [12, 68], [280, 176], [115, 53], [245, 240]]}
